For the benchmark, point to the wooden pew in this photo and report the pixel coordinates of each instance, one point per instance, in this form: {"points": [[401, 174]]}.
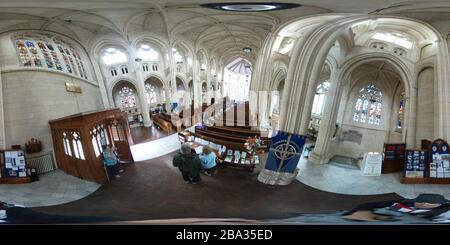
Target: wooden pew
{"points": [[245, 132], [164, 125], [230, 136]]}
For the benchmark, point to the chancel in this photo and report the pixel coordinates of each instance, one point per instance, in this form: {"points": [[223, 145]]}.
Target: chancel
{"points": [[187, 112]]}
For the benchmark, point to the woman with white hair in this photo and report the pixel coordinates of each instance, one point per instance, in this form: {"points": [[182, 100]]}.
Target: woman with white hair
{"points": [[189, 164]]}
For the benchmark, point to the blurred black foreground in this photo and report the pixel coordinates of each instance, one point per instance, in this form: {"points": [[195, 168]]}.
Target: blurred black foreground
{"points": [[424, 209]]}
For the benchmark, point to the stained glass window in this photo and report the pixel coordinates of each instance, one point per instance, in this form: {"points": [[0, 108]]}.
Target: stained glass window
{"points": [[368, 106], [23, 52], [127, 98], [34, 53], [47, 57], [42, 51], [401, 111], [319, 98], [151, 93], [54, 56]]}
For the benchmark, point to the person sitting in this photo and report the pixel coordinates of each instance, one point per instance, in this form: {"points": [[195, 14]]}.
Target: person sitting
{"points": [[189, 164], [111, 160], [209, 159]]}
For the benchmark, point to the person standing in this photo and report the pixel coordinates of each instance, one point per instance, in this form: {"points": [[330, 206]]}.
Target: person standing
{"points": [[189, 164]]}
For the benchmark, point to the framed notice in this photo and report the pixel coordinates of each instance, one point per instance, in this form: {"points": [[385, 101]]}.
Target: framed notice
{"points": [[372, 164], [415, 163], [439, 160], [15, 165]]}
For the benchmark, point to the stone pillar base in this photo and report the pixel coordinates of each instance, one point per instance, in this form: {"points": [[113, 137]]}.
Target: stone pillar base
{"points": [[276, 178], [149, 124], [317, 158]]}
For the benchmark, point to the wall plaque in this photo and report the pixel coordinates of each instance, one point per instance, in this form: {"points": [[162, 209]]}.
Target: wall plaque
{"points": [[72, 87], [352, 136]]}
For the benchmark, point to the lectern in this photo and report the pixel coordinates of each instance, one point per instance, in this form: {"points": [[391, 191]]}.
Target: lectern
{"points": [[78, 140]]}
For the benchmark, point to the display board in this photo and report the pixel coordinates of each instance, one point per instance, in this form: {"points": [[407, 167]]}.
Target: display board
{"points": [[372, 164], [439, 160], [394, 157], [415, 163], [14, 162]]}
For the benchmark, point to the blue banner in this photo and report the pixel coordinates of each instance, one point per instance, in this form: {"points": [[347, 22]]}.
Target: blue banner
{"points": [[285, 152]]}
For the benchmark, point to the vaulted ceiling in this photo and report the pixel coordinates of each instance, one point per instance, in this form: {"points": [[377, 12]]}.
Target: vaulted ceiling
{"points": [[219, 32]]}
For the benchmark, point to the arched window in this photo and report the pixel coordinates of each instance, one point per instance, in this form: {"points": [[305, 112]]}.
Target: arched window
{"points": [[319, 98], [124, 70], [145, 52], [151, 93], [177, 56], [368, 106], [114, 56], [42, 51], [145, 67], [113, 71], [127, 98], [401, 112], [155, 67]]}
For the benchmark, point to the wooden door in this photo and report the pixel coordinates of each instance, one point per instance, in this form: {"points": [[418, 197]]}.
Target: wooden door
{"points": [[118, 134]]}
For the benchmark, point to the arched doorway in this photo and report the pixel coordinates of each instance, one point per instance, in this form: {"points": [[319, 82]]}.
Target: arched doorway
{"points": [[155, 94], [126, 97], [237, 77]]}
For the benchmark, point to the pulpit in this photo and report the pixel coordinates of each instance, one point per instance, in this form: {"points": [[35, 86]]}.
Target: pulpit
{"points": [[78, 141]]}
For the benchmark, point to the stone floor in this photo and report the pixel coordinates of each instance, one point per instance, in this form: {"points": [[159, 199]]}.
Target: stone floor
{"points": [[53, 188], [336, 179], [155, 148]]}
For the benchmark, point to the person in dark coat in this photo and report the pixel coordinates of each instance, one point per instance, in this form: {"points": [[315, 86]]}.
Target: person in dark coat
{"points": [[189, 164]]}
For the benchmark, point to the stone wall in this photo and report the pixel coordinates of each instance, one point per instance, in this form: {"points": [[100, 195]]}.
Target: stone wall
{"points": [[32, 98], [425, 106]]}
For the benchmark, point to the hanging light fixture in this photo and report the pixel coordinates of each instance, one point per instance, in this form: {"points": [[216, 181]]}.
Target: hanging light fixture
{"points": [[250, 6]]}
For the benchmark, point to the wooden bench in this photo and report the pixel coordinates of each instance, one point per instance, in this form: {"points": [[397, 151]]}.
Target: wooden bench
{"points": [[231, 137], [164, 125], [245, 132]]}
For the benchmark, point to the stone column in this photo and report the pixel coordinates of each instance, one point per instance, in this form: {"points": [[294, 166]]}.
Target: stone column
{"points": [[2, 116], [208, 84], [173, 76], [196, 87], [320, 154], [409, 133], [99, 76], [142, 95], [307, 107]]}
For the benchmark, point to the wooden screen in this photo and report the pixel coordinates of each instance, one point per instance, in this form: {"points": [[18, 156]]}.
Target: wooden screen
{"points": [[78, 141]]}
